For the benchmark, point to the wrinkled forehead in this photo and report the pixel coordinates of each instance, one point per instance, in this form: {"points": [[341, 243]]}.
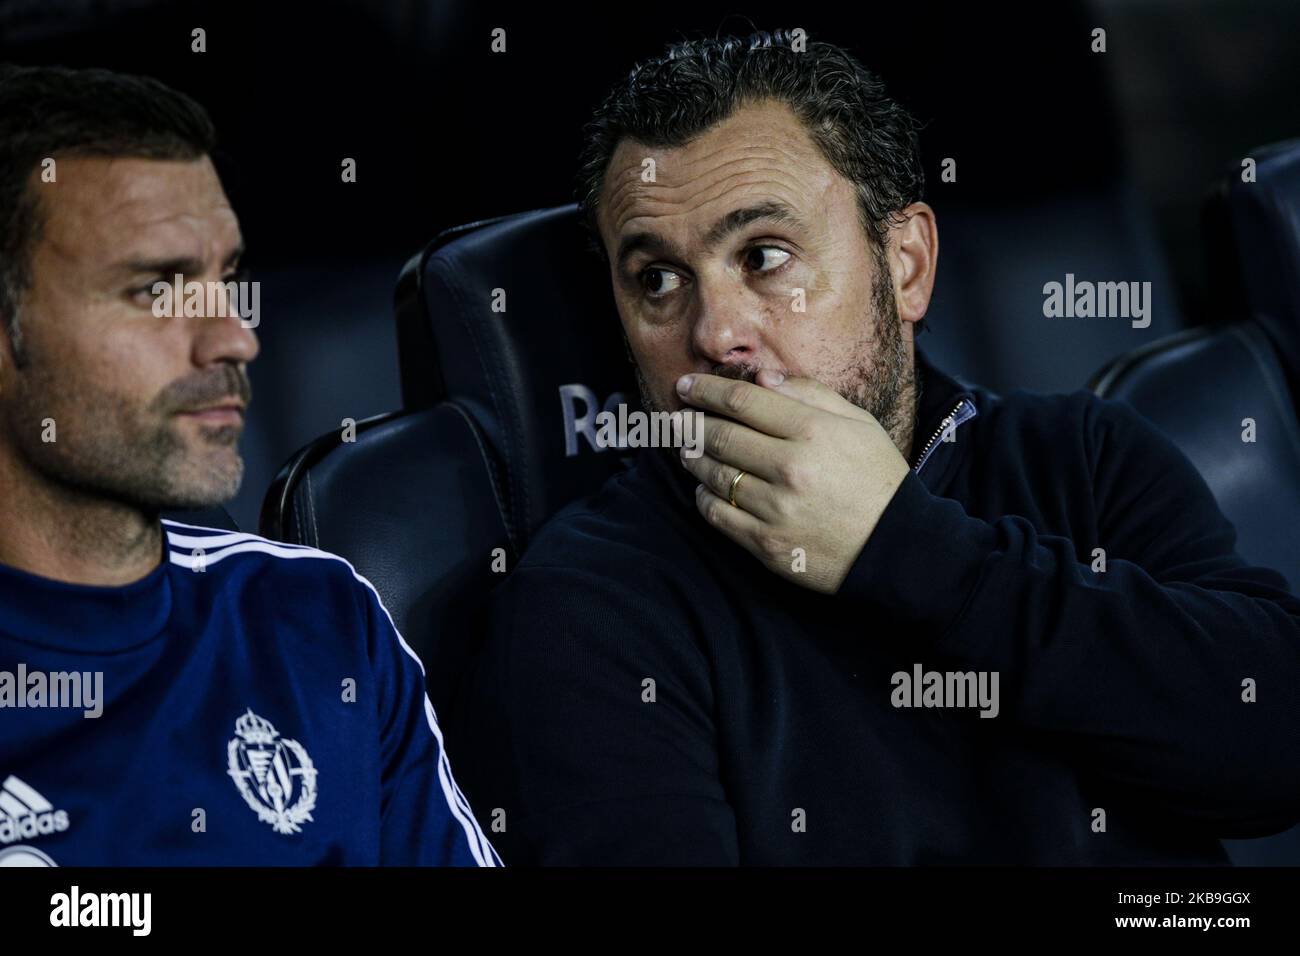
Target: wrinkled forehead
{"points": [[112, 203], [760, 153]]}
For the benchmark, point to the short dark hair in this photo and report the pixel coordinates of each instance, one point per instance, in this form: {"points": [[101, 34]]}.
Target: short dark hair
{"points": [[665, 102], [50, 111]]}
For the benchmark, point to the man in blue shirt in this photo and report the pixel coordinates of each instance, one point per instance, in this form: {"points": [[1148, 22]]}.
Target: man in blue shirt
{"points": [[170, 694]]}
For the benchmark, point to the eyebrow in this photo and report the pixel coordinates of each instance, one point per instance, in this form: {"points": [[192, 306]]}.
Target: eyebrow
{"points": [[184, 265], [771, 211]]}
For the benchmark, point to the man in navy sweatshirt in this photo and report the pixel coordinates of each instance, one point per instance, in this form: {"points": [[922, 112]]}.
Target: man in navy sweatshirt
{"points": [[171, 695], [887, 617]]}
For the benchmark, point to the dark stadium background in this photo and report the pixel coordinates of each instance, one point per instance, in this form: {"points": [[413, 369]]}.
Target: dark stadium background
{"points": [[444, 131]]}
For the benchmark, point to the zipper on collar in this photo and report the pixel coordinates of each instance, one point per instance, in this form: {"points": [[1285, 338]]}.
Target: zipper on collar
{"points": [[963, 411]]}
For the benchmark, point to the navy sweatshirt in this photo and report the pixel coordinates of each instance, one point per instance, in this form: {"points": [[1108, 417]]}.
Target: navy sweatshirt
{"points": [[650, 694], [246, 703]]}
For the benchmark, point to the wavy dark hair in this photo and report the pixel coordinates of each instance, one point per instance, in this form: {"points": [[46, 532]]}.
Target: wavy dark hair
{"points": [[665, 102]]}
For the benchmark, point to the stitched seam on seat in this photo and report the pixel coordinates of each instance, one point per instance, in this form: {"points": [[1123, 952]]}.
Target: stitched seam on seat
{"points": [[444, 268], [1265, 363], [491, 470], [311, 507]]}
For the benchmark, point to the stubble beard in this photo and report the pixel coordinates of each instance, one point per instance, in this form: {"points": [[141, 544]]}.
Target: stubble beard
{"points": [[113, 450]]}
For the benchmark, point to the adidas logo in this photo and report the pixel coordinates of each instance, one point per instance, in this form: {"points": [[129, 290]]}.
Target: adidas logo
{"points": [[24, 813]]}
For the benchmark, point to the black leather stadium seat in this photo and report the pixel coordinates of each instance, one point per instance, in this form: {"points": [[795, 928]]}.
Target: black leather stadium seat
{"points": [[1264, 219], [487, 446], [414, 504], [986, 322], [513, 320], [1199, 386]]}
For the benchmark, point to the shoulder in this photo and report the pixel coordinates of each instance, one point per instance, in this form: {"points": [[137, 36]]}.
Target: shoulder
{"points": [[1096, 428], [193, 546], [297, 593], [1041, 410], [1113, 437], [288, 572], [1149, 496]]}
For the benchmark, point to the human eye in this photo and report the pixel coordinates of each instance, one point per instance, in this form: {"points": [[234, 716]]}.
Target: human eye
{"points": [[658, 281], [765, 259], [144, 295]]}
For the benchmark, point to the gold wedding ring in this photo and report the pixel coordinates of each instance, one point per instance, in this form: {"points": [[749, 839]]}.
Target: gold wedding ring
{"points": [[731, 494]]}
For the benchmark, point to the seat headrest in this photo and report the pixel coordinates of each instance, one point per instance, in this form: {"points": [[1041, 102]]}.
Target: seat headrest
{"points": [[1265, 221], [514, 320]]}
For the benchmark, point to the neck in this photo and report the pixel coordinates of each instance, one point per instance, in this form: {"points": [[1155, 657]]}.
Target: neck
{"points": [[67, 534]]}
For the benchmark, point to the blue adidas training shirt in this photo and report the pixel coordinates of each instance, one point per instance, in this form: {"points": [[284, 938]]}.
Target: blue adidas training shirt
{"points": [[256, 707]]}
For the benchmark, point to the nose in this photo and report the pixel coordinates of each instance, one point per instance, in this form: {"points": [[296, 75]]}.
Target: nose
{"points": [[225, 335], [728, 326]]}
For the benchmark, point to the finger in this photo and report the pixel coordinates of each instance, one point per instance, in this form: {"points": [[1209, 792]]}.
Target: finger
{"points": [[809, 391], [742, 446], [758, 407], [736, 523], [753, 494]]}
